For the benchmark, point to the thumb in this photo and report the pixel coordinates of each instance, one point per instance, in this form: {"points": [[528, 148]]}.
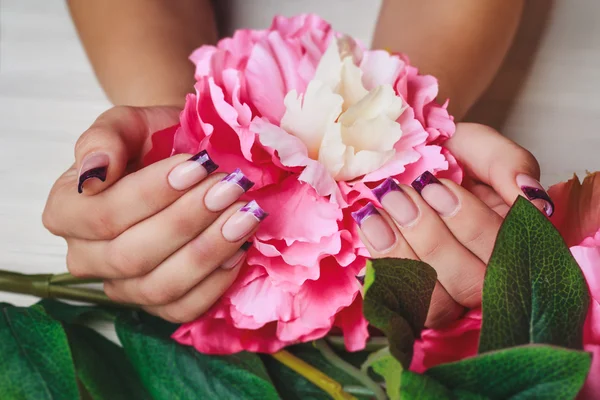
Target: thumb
{"points": [[494, 160], [116, 138]]}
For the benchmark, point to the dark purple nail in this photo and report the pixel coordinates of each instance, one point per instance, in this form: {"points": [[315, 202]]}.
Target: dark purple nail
{"points": [[533, 193], [204, 159], [426, 178], [239, 179], [365, 212], [97, 173], [389, 185], [253, 208]]}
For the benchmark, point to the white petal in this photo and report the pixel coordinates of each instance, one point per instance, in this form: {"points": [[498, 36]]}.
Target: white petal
{"points": [[380, 101], [380, 68], [361, 163], [377, 134], [330, 65], [333, 149], [310, 117], [351, 87]]}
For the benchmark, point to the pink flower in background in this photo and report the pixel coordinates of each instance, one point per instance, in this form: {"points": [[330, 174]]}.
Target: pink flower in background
{"points": [[577, 218], [314, 120]]}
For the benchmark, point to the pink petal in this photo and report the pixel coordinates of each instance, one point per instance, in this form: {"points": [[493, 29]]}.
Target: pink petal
{"points": [[458, 341], [353, 325], [296, 213]]}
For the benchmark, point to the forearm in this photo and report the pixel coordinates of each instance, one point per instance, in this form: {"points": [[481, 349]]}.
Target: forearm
{"points": [[461, 42], [139, 48]]}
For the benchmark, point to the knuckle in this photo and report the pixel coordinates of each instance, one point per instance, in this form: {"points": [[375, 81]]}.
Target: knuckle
{"points": [[147, 295], [153, 295], [112, 292], [179, 315], [104, 226], [75, 266], [124, 262]]}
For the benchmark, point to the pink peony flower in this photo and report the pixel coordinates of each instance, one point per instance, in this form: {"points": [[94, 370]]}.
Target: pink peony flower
{"points": [[315, 121], [577, 218]]}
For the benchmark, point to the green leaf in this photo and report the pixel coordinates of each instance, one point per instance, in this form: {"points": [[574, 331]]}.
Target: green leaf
{"points": [[102, 366], [534, 291], [526, 372], [35, 359], [397, 300], [384, 364], [172, 371], [73, 314], [422, 387]]}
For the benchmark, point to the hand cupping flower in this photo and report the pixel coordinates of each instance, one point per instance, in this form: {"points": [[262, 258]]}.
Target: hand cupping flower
{"points": [[314, 120]]}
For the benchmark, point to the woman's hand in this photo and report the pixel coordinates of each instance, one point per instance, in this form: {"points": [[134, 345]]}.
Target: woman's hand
{"points": [[168, 237], [449, 227]]}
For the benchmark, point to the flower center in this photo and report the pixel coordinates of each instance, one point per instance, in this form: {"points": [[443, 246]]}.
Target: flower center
{"points": [[349, 129]]}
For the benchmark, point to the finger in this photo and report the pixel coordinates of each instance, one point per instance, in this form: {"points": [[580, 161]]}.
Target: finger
{"points": [[500, 163], [218, 246], [132, 199], [117, 137], [145, 245], [459, 271], [472, 223], [443, 309], [488, 196], [198, 300]]}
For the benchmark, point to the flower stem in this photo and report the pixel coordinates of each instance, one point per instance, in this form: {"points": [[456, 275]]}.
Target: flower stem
{"points": [[68, 279], [330, 386], [350, 369], [42, 285]]}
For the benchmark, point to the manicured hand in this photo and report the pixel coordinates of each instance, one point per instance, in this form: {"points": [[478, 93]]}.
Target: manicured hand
{"points": [[169, 237], [451, 228]]}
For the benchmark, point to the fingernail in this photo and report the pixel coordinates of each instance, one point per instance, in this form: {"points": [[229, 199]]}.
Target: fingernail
{"points": [[226, 192], [534, 191], [192, 171], [235, 260], [243, 222], [375, 228], [396, 202], [438, 196], [94, 165]]}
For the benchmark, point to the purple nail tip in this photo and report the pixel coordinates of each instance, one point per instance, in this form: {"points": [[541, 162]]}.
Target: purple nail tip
{"points": [[389, 185], [239, 179], [426, 178], [534, 193], [253, 208], [204, 159], [365, 212], [97, 173]]}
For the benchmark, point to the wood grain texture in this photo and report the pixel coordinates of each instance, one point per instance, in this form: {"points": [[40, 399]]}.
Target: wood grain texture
{"points": [[545, 99]]}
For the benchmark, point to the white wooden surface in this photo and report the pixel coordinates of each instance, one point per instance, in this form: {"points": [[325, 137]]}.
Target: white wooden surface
{"points": [[48, 96]]}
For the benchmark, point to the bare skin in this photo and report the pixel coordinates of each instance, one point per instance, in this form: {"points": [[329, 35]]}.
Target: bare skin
{"points": [[139, 50]]}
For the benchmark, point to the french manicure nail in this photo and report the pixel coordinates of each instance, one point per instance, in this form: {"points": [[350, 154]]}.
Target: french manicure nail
{"points": [[94, 166], [396, 202], [243, 221], [438, 196], [192, 171], [534, 191], [226, 192], [375, 228]]}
